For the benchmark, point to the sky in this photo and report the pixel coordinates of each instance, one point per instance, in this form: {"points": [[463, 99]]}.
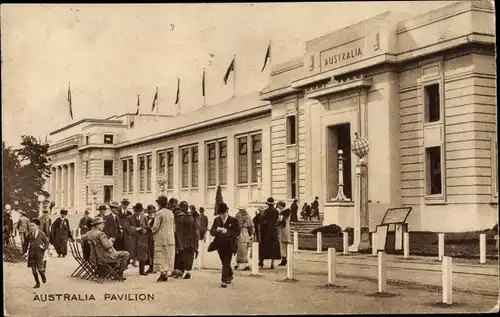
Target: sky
{"points": [[112, 53]]}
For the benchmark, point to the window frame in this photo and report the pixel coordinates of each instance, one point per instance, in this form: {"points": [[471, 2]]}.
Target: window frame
{"points": [[221, 162], [149, 172], [253, 160], [104, 192], [184, 166], [194, 168], [208, 146], [287, 128], [289, 193], [169, 157], [434, 198], [124, 175], [425, 103], [159, 161], [108, 135], [130, 172], [494, 169], [239, 157], [112, 167]]}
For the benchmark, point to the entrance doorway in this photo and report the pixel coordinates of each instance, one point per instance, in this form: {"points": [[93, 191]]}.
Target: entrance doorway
{"points": [[338, 138]]}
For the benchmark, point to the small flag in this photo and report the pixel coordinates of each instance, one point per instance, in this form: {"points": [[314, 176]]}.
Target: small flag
{"points": [[138, 103], [155, 99], [178, 88], [268, 55], [69, 102], [228, 71], [203, 84]]}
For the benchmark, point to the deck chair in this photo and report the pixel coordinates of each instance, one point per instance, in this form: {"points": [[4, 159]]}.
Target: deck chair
{"points": [[85, 270], [104, 270], [13, 253]]}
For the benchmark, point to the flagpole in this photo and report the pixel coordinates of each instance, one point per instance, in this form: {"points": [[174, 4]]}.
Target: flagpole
{"points": [[157, 103], [204, 87], [234, 76], [179, 91]]}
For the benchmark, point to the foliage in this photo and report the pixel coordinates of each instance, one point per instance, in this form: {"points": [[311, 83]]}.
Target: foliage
{"points": [[218, 199], [25, 173]]}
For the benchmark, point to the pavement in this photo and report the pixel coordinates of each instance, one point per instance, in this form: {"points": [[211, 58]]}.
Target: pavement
{"points": [[415, 283]]}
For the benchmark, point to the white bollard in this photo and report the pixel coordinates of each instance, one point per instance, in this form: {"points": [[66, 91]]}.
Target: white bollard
{"points": [[255, 258], [374, 243], [289, 263], [441, 246], [482, 248], [319, 242], [447, 280], [406, 245], [295, 241], [345, 237], [332, 270], [382, 272]]}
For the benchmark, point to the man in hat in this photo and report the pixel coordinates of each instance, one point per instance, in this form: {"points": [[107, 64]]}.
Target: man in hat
{"points": [[85, 226], [284, 234], [61, 233], [124, 210], [164, 241], [102, 211], [315, 208], [104, 247], [46, 223], [36, 244], [137, 228], [226, 230], [23, 227], [269, 247], [151, 211], [128, 241], [203, 224], [113, 227]]}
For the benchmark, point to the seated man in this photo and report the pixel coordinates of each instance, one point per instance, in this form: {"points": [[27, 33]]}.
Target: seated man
{"points": [[104, 247]]}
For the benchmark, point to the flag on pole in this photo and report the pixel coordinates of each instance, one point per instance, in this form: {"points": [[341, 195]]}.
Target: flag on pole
{"points": [[155, 99], [268, 55], [178, 88], [69, 102], [203, 84], [228, 71], [138, 103]]}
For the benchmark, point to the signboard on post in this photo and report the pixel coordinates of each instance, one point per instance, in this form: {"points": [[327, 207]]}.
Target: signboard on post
{"points": [[381, 237], [396, 215]]}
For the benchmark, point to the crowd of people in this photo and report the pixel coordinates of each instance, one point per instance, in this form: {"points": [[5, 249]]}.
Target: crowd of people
{"points": [[165, 239]]}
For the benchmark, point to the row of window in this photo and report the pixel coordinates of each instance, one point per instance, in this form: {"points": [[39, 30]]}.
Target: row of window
{"points": [[249, 152], [108, 139]]}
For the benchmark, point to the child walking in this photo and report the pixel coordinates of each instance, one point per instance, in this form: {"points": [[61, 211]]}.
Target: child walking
{"points": [[36, 243]]}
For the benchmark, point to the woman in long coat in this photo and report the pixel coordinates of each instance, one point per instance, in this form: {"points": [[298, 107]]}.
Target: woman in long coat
{"points": [[269, 247], [187, 236], [60, 234], [137, 229], [246, 226], [284, 234]]}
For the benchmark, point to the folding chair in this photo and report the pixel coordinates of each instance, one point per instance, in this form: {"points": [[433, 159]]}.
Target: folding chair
{"points": [[85, 269], [13, 253], [104, 270]]}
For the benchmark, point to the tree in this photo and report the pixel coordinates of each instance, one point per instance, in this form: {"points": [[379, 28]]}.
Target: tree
{"points": [[33, 171], [10, 175], [218, 200]]}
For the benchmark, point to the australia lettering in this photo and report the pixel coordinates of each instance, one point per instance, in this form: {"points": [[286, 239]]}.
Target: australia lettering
{"points": [[344, 56]]}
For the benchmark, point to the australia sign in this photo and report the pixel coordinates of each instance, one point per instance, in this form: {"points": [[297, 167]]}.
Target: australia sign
{"points": [[341, 56]]}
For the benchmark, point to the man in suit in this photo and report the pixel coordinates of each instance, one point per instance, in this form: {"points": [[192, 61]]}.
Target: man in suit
{"points": [[85, 226], [164, 241], [225, 229], [137, 227], [151, 211], [315, 208], [104, 247], [102, 211], [113, 227], [203, 224], [36, 243], [45, 224], [23, 227]]}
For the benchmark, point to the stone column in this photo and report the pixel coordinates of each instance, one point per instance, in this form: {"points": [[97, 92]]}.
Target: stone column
{"points": [[58, 186], [53, 184], [69, 187], [64, 181]]}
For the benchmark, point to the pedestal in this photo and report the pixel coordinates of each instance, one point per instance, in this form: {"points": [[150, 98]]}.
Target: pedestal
{"points": [[361, 239]]}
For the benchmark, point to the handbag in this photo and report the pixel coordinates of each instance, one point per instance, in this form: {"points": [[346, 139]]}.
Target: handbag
{"points": [[212, 246]]}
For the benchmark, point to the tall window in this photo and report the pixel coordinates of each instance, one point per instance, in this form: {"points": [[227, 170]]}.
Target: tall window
{"points": [[194, 166], [170, 169], [185, 167], [108, 193], [161, 163], [211, 176], [148, 172], [130, 175], [142, 172], [124, 175], [87, 195], [432, 103], [86, 168], [242, 160], [433, 164], [87, 140], [292, 181], [223, 162], [108, 167], [291, 130], [256, 154], [108, 139]]}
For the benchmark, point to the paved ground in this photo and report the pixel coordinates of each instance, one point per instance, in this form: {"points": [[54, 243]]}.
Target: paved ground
{"points": [[264, 294]]}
